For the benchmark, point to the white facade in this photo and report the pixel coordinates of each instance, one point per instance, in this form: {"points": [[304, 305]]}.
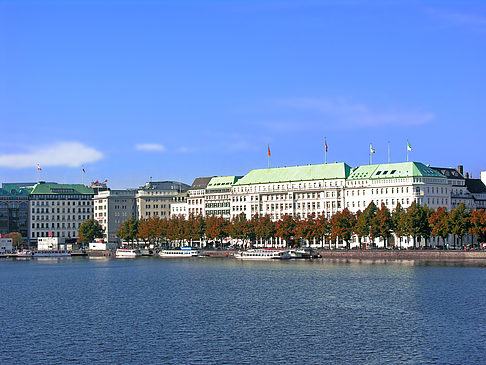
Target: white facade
{"points": [[6, 245], [155, 198], [178, 206], [58, 210], [112, 208], [50, 243]]}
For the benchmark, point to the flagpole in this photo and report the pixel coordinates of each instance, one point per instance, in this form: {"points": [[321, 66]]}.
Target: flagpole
{"points": [[325, 150], [407, 150], [371, 158], [388, 152]]}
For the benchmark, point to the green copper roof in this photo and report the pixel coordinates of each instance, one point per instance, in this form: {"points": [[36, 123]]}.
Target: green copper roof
{"points": [[13, 190], [393, 170], [296, 173], [42, 188], [222, 182]]}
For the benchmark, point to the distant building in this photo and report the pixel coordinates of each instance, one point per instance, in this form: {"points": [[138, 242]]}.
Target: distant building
{"points": [[154, 198], [14, 209], [112, 208], [5, 245], [178, 206], [195, 198], [57, 210], [218, 195], [458, 189]]}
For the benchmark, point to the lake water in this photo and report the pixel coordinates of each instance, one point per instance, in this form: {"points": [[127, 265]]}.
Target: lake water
{"points": [[206, 310]]}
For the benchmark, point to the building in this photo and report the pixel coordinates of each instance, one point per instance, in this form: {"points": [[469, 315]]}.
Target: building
{"points": [[52, 243], [57, 210], [477, 189], [112, 208], [390, 184], [195, 196], [178, 206], [218, 196], [5, 245], [154, 198], [457, 182], [296, 191], [14, 209]]}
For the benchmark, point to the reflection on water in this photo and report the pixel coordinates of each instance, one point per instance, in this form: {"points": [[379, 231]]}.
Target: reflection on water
{"points": [[229, 311]]}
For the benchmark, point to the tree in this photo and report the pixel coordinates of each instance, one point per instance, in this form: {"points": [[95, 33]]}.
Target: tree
{"points": [[342, 226], [285, 228], [237, 227], [216, 228], [128, 230], [89, 230], [459, 220], [364, 221], [264, 228], [478, 224], [416, 221], [150, 229], [16, 238], [439, 222], [323, 227], [382, 224], [399, 222], [194, 228]]}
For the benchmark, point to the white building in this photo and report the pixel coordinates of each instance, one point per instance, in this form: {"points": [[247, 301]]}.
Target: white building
{"points": [[6, 245], [57, 210], [178, 206], [52, 243], [218, 196], [154, 198], [112, 208], [296, 191], [195, 197]]}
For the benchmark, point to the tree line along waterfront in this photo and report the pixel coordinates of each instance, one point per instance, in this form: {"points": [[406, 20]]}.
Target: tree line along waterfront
{"points": [[414, 227]]}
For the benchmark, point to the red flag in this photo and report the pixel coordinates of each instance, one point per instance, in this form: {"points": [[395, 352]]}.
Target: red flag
{"points": [[84, 170], [38, 167], [106, 180], [96, 182], [325, 142], [268, 148]]}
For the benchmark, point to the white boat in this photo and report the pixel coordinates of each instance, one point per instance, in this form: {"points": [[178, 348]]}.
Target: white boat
{"points": [[24, 253], [52, 253], [262, 254], [183, 252], [127, 253]]}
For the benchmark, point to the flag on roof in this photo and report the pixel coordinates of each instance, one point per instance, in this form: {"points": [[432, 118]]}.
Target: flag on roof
{"points": [[325, 143], [83, 169], [409, 148], [372, 150], [38, 167], [268, 150]]}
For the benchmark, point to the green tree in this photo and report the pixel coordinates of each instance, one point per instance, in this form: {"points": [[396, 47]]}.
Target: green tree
{"points": [[439, 222], [364, 221], [89, 230], [128, 230], [237, 227], [399, 222], [343, 225], [459, 220], [416, 221], [383, 224], [323, 228]]}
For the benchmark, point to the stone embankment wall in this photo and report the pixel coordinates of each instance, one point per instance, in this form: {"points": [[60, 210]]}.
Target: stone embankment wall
{"points": [[425, 255]]}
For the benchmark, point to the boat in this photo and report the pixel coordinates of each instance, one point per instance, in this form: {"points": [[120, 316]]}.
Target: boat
{"points": [[127, 253], [262, 254], [51, 253], [183, 252], [23, 254]]}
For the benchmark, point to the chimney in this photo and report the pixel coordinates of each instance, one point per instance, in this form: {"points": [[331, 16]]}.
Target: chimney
{"points": [[460, 168]]}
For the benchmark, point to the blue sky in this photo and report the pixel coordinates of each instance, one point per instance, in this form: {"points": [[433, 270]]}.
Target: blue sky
{"points": [[180, 89]]}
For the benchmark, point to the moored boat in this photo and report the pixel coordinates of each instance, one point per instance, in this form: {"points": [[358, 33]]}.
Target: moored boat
{"points": [[183, 252], [262, 254], [51, 253], [127, 253], [23, 254]]}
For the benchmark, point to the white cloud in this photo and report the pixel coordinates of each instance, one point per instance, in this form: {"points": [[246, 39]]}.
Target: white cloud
{"points": [[150, 147], [346, 114], [70, 154]]}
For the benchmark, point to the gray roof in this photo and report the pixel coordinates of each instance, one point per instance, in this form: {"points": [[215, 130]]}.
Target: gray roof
{"points": [[200, 183], [449, 172], [165, 185], [475, 186]]}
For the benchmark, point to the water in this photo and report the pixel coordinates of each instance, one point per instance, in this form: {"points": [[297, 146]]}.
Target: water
{"points": [[205, 311]]}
